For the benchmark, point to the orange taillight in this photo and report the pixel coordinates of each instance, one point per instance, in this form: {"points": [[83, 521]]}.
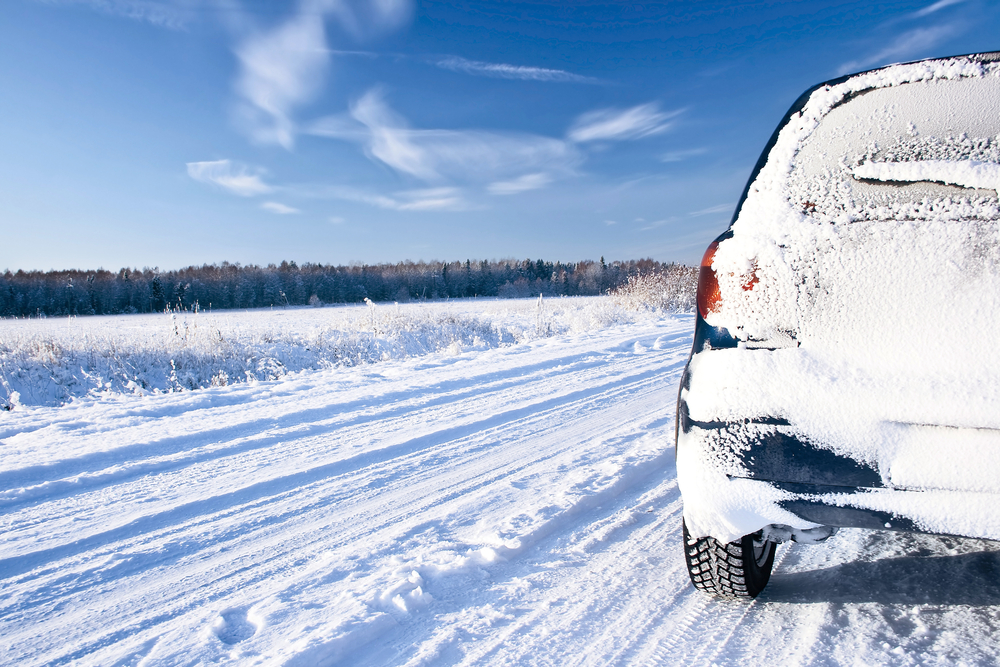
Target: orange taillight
{"points": [[709, 295]]}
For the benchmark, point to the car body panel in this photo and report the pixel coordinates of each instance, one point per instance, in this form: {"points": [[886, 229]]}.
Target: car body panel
{"points": [[850, 373]]}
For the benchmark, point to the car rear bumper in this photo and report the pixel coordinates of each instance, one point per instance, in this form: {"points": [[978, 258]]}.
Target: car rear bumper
{"points": [[788, 436], [738, 476]]}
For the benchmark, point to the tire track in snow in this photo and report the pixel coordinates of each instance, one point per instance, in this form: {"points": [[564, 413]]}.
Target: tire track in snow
{"points": [[511, 419], [596, 597], [277, 485], [276, 435], [731, 623], [247, 436], [259, 576], [708, 625], [364, 629]]}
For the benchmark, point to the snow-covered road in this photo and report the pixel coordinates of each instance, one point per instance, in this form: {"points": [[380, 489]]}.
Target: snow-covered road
{"points": [[514, 505]]}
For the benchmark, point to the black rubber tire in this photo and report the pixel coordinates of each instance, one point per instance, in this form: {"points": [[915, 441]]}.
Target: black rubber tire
{"points": [[739, 569]]}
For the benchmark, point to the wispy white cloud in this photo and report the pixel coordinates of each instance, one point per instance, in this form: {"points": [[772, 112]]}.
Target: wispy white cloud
{"points": [[390, 141], [937, 6], [679, 156], [284, 68], [280, 70], [518, 185], [365, 18], [656, 224], [426, 199], [237, 178], [438, 156], [353, 52], [721, 208], [430, 199], [279, 208], [619, 124], [506, 71], [164, 13], [912, 44], [503, 163], [338, 126], [243, 180]]}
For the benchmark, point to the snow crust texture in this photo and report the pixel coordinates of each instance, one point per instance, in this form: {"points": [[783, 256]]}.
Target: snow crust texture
{"points": [[498, 506]]}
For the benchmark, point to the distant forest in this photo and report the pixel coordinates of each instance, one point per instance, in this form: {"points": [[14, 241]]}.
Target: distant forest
{"points": [[209, 287]]}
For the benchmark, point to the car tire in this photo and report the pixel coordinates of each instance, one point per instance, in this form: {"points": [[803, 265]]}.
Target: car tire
{"points": [[738, 569]]}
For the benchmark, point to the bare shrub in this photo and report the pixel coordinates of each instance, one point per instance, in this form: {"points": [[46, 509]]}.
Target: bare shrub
{"points": [[52, 361], [672, 289]]}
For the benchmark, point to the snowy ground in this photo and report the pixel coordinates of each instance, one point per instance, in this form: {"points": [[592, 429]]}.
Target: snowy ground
{"points": [[511, 504], [51, 361]]}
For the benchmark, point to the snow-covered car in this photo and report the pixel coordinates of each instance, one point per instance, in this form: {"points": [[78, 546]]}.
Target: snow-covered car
{"points": [[846, 360]]}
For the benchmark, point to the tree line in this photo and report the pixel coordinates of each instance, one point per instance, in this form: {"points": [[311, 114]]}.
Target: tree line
{"points": [[222, 286]]}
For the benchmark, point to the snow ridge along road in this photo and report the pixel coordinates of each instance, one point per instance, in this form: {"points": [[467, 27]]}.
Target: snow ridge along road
{"points": [[501, 506]]}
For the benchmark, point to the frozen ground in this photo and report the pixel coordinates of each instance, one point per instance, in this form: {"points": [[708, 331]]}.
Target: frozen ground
{"points": [[482, 504], [51, 361]]}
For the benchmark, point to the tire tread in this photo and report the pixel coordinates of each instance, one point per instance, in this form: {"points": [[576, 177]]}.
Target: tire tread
{"points": [[721, 569]]}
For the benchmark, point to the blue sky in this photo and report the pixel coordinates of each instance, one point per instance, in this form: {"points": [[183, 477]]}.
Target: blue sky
{"points": [[176, 132]]}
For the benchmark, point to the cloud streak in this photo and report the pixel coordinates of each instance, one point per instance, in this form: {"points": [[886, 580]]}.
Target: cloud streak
{"points": [[164, 13], [622, 124], [721, 208], [656, 224], [427, 199], [680, 156], [936, 7], [505, 71], [280, 70], [502, 164], [279, 208], [519, 185], [234, 177], [911, 44], [438, 156], [284, 68]]}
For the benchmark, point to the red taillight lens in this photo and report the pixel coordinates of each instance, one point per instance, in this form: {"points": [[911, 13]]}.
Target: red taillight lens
{"points": [[709, 295]]}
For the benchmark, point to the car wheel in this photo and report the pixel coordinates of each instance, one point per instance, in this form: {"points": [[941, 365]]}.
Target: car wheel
{"points": [[739, 569]]}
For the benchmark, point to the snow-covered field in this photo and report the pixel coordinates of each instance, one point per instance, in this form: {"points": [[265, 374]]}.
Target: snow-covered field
{"points": [[50, 361], [462, 500]]}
